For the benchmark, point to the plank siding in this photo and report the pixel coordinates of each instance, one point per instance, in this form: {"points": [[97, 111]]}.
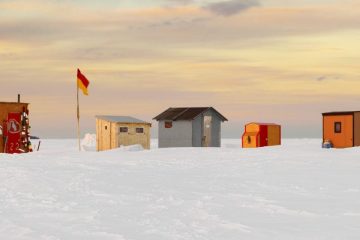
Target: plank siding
{"points": [[179, 135], [132, 137], [108, 135]]}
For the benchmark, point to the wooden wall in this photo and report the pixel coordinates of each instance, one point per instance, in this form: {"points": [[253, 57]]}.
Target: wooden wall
{"points": [[357, 129], [108, 135], [105, 139], [274, 135], [343, 139], [132, 137], [5, 108]]}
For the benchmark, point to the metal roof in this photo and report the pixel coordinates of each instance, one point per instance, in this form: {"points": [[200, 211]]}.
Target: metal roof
{"points": [[261, 123], [13, 103], [185, 113], [120, 119], [340, 113]]}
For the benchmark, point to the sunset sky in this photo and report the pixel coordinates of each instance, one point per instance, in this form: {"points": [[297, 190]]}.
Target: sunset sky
{"points": [[276, 61]]}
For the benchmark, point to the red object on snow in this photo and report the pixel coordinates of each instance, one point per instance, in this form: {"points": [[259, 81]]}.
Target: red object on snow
{"points": [[13, 133]]}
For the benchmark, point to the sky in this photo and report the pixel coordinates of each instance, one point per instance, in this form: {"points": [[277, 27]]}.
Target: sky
{"points": [[253, 60]]}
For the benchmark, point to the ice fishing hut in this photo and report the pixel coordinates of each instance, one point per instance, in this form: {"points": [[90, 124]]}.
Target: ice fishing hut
{"points": [[261, 135], [342, 129], [14, 127], [114, 131], [190, 127]]}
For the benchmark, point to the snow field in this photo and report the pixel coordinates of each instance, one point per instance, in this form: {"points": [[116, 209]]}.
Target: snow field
{"points": [[294, 191]]}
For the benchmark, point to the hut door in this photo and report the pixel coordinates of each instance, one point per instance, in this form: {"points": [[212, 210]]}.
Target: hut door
{"points": [[206, 140], [106, 136], [263, 135]]}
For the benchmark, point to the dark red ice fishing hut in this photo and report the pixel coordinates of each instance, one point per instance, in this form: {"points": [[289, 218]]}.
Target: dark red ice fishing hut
{"points": [[14, 127]]}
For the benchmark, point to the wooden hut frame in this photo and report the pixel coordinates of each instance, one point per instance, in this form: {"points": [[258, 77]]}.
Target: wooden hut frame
{"points": [[114, 131]]}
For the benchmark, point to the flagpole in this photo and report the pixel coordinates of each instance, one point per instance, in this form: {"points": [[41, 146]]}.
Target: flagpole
{"points": [[78, 113]]}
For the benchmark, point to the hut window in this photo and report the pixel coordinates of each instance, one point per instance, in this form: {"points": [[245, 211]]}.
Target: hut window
{"points": [[337, 127], [139, 130], [105, 127], [168, 124], [123, 129]]}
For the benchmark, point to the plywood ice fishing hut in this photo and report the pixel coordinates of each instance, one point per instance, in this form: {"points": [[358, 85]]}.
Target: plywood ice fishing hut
{"points": [[190, 127], [114, 131], [261, 135], [14, 127], [341, 129]]}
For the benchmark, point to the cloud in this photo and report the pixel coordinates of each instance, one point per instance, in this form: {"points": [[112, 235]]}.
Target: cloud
{"points": [[321, 78], [175, 22], [231, 7], [181, 2], [176, 26], [325, 77]]}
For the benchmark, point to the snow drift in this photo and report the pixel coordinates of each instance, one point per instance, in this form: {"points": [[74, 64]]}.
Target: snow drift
{"points": [[88, 143]]}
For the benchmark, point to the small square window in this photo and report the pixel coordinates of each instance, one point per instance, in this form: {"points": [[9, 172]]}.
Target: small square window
{"points": [[337, 127], [124, 129], [168, 124], [139, 130], [105, 127]]}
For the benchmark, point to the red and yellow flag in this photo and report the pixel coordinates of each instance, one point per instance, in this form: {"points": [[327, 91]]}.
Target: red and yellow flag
{"points": [[82, 82]]}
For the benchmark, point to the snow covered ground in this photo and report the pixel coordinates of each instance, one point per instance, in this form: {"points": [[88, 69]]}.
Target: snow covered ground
{"points": [[296, 191]]}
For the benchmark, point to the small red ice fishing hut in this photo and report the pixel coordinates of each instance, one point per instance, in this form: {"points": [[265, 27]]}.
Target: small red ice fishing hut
{"points": [[261, 135], [14, 127]]}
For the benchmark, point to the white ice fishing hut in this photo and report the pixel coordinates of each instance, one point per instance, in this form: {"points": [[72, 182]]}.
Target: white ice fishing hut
{"points": [[114, 131]]}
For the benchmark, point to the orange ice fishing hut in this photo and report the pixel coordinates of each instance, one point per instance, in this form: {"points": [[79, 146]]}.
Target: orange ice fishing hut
{"points": [[341, 129], [261, 135]]}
